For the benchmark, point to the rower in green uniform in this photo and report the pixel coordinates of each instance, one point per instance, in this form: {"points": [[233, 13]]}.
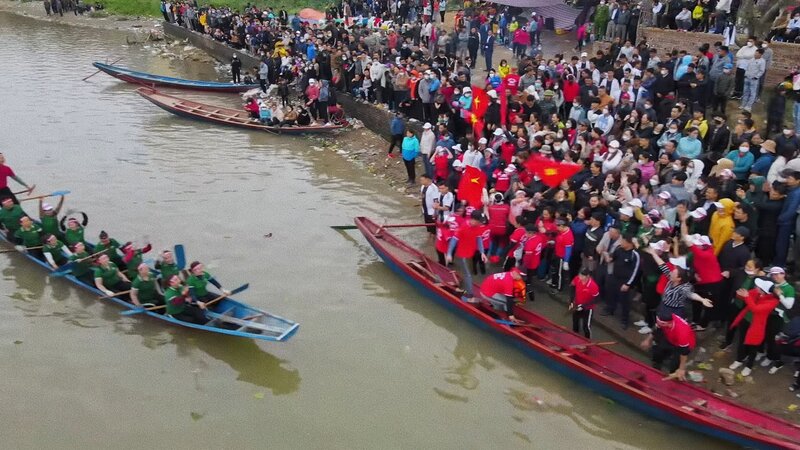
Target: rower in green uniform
{"points": [[82, 269], [783, 313], [55, 252], [48, 217], [198, 282], [109, 280], [132, 257], [30, 235], [166, 265], [111, 246], [73, 232], [177, 299], [145, 289], [10, 213]]}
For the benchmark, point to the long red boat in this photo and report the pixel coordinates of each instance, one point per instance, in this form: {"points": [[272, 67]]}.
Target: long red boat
{"points": [[616, 376]]}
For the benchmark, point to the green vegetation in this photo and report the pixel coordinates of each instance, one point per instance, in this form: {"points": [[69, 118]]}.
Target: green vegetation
{"points": [[153, 7]]}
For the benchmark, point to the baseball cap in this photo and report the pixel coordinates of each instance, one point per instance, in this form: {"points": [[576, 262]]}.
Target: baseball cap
{"points": [[764, 285], [627, 211], [661, 246], [636, 203], [614, 144], [662, 224], [47, 207], [680, 261], [427, 126], [699, 213], [498, 131], [665, 195], [482, 140], [776, 270]]}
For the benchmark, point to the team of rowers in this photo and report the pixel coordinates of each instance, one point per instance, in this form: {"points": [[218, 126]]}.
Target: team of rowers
{"points": [[117, 270]]}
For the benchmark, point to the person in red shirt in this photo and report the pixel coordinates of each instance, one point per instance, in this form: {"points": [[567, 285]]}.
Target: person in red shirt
{"points": [[585, 294], [674, 340], [562, 252], [478, 263], [708, 278], [535, 240], [5, 174], [498, 289], [515, 242], [498, 227], [444, 232], [759, 303], [463, 245], [511, 81]]}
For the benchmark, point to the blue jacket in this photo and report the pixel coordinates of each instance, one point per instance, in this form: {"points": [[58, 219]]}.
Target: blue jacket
{"points": [[397, 126], [741, 164], [790, 204], [311, 52], [762, 164], [410, 148], [689, 148]]}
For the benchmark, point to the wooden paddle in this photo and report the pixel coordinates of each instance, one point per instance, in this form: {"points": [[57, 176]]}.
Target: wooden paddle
{"points": [[110, 64], [64, 270], [592, 344], [52, 194], [131, 312], [30, 189], [400, 225], [15, 249], [116, 294]]}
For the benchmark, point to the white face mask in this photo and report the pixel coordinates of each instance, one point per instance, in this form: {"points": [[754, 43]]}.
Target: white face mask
{"points": [[673, 130], [744, 149], [749, 272], [787, 132], [676, 167], [585, 187], [701, 186], [764, 45], [763, 150], [653, 182], [749, 44]]}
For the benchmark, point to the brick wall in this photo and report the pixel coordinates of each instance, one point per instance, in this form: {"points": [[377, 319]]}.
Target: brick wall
{"points": [[785, 56]]}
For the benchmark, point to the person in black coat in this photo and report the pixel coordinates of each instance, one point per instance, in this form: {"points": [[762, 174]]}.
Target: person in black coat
{"points": [[776, 110], [732, 259], [718, 141], [768, 212]]}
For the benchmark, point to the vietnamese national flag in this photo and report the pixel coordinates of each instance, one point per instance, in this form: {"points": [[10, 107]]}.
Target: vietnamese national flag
{"points": [[480, 101], [470, 188], [552, 173], [477, 126]]}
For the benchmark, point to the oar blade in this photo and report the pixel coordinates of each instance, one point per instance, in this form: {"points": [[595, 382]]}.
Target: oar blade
{"points": [[240, 289], [180, 256], [343, 227], [59, 193], [130, 312]]}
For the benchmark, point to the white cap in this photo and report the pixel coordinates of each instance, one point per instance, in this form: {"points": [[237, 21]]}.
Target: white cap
{"points": [[636, 203], [679, 262], [492, 93], [654, 212], [489, 149], [47, 207], [719, 205], [614, 144], [427, 126], [702, 240], [520, 192], [584, 54], [726, 173], [661, 246], [498, 131], [665, 195], [626, 210], [776, 270], [662, 224], [457, 163], [456, 148], [311, 81], [764, 285], [510, 169], [467, 89], [699, 213], [482, 140], [545, 149]]}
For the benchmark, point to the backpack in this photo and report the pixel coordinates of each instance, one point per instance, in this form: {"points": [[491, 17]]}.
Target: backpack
{"points": [[324, 94]]}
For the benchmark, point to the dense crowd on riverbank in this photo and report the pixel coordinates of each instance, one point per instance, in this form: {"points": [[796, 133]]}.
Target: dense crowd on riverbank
{"points": [[622, 165]]}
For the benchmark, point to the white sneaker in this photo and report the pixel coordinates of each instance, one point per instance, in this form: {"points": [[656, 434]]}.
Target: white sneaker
{"points": [[760, 356], [645, 330], [746, 372], [735, 365], [640, 323], [766, 362]]}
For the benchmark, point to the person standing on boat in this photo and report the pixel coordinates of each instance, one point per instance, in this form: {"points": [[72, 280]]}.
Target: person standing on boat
{"points": [[177, 299], [198, 282], [585, 294], [675, 342], [6, 173], [145, 289], [463, 246], [498, 289], [108, 278], [236, 70]]}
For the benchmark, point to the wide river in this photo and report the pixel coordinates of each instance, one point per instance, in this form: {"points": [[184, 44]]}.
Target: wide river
{"points": [[374, 365]]}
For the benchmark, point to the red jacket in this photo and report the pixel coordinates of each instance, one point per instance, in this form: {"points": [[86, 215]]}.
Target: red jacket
{"points": [[586, 294], [761, 305], [498, 218], [571, 90]]}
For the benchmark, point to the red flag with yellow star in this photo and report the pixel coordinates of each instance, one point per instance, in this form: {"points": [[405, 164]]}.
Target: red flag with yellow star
{"points": [[552, 173], [470, 188], [477, 126], [480, 101]]}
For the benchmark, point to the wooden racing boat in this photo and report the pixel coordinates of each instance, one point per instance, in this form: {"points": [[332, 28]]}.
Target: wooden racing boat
{"points": [[147, 79], [227, 316], [222, 116], [623, 379]]}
